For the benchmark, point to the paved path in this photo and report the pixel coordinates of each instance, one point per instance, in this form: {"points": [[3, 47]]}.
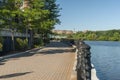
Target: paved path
{"points": [[54, 62]]}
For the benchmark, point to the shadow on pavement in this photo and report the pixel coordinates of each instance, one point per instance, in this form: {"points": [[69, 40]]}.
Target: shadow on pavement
{"points": [[14, 75], [58, 45], [2, 62], [57, 51], [26, 54]]}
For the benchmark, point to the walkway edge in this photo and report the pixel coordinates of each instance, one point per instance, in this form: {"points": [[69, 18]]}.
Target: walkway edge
{"points": [[74, 73], [19, 53], [93, 73]]}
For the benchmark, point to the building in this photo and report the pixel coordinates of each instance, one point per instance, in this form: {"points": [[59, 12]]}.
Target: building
{"points": [[63, 31], [25, 4]]}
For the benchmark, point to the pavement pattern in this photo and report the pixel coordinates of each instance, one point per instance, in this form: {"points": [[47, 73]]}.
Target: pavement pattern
{"points": [[53, 62]]}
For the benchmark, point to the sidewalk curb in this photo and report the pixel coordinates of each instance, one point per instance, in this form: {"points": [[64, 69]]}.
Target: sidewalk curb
{"points": [[93, 73], [74, 73], [19, 53]]}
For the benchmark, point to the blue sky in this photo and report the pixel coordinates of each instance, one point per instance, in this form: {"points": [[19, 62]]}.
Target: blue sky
{"points": [[89, 15]]}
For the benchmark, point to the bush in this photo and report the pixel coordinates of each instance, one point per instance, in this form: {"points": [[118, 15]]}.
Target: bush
{"points": [[1, 46], [1, 43], [22, 43], [38, 42]]}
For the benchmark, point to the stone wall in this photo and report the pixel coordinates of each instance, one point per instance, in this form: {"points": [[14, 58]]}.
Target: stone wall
{"points": [[83, 67]]}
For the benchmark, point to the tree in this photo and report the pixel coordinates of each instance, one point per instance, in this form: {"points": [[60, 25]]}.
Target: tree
{"points": [[41, 15], [48, 23], [30, 15], [8, 13]]}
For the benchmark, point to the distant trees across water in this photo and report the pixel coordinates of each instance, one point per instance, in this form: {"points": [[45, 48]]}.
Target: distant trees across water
{"points": [[109, 35]]}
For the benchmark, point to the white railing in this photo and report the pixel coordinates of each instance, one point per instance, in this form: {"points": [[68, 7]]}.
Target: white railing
{"points": [[9, 33]]}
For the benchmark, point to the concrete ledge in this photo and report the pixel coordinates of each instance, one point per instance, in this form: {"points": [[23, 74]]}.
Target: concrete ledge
{"points": [[93, 73], [74, 73]]}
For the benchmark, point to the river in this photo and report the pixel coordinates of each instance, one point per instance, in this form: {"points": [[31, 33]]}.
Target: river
{"points": [[106, 59]]}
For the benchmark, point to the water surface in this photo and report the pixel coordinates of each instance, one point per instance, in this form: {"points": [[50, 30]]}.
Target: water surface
{"points": [[106, 59]]}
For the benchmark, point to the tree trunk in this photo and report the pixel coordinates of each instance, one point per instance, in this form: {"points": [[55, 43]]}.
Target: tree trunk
{"points": [[13, 43]]}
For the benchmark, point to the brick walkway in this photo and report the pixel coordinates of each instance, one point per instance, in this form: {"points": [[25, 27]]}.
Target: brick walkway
{"points": [[54, 62]]}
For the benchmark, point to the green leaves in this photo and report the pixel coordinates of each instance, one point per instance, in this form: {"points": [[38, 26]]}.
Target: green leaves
{"points": [[30, 14], [110, 35], [22, 43]]}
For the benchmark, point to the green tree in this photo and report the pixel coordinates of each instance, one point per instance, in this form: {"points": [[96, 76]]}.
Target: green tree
{"points": [[8, 12], [48, 23], [39, 16]]}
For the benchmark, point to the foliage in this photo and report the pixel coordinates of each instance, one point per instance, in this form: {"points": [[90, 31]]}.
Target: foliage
{"points": [[8, 13], [38, 42], [22, 43], [1, 43], [39, 15], [110, 35], [1, 46], [1, 39]]}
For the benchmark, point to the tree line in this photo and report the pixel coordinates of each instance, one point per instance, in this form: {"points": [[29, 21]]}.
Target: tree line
{"points": [[108, 35]]}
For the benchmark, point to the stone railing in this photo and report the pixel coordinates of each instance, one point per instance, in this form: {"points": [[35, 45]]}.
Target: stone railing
{"points": [[83, 67], [83, 62]]}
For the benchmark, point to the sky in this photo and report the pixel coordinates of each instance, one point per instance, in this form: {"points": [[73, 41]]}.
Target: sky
{"points": [[80, 15]]}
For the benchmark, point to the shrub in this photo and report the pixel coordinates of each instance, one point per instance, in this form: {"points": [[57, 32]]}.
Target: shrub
{"points": [[1, 43], [38, 42], [22, 43], [1, 46]]}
